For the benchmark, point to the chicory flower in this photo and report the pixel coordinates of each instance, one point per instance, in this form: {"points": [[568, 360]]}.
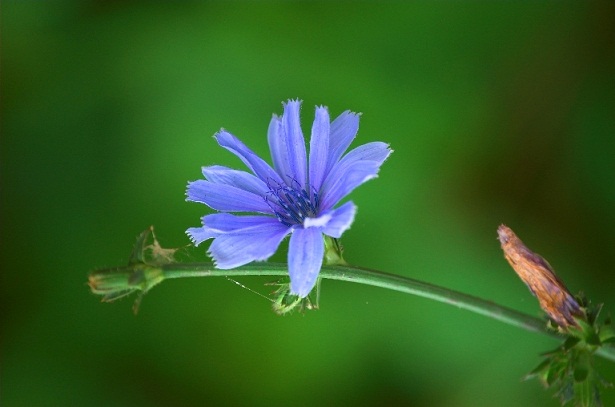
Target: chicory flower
{"points": [[296, 196]]}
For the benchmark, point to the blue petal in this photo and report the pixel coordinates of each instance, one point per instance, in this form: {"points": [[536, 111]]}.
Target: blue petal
{"points": [[226, 198], [226, 222], [341, 219], [277, 145], [319, 148], [293, 157], [240, 179], [295, 142], [245, 245], [358, 166], [374, 151], [343, 130], [336, 188], [217, 224], [258, 166], [305, 254], [333, 222]]}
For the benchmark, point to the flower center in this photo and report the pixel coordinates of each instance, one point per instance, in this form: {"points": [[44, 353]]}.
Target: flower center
{"points": [[292, 204]]}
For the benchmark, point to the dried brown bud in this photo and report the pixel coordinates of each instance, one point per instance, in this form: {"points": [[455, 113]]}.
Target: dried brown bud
{"points": [[537, 274]]}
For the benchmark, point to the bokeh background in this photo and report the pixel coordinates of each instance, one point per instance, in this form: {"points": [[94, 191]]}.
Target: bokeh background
{"points": [[498, 113]]}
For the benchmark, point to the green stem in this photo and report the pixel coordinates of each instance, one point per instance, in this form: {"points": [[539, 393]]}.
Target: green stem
{"points": [[384, 280], [114, 283]]}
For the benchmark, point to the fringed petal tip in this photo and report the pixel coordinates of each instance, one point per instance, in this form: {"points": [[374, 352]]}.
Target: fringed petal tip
{"points": [[390, 151], [288, 101], [198, 235], [215, 261], [187, 193], [190, 233]]}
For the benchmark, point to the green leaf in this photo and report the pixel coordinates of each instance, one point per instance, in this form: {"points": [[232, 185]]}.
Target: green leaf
{"points": [[555, 373], [538, 370], [570, 343], [607, 334]]}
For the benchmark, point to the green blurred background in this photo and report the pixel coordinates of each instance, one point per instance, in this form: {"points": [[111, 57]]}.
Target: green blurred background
{"points": [[498, 113]]}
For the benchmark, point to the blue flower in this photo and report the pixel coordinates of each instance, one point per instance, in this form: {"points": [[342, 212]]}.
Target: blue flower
{"points": [[297, 196]]}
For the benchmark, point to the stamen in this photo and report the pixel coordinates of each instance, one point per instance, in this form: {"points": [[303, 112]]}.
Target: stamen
{"points": [[291, 204]]}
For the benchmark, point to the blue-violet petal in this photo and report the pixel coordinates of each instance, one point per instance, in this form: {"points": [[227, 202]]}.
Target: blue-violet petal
{"points": [[257, 243], [256, 164], [319, 148], [292, 137], [336, 188], [226, 198], [240, 179], [343, 130], [341, 219], [305, 253]]}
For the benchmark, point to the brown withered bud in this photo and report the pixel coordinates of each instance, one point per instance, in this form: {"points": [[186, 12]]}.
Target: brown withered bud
{"points": [[538, 275]]}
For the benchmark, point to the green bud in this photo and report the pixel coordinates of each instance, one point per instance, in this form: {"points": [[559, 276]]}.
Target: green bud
{"points": [[141, 275]]}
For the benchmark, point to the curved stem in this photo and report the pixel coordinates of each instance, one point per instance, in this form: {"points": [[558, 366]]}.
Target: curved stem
{"points": [[114, 283], [384, 280]]}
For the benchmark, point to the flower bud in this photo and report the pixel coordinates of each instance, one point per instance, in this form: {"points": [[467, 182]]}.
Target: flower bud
{"points": [[537, 274]]}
